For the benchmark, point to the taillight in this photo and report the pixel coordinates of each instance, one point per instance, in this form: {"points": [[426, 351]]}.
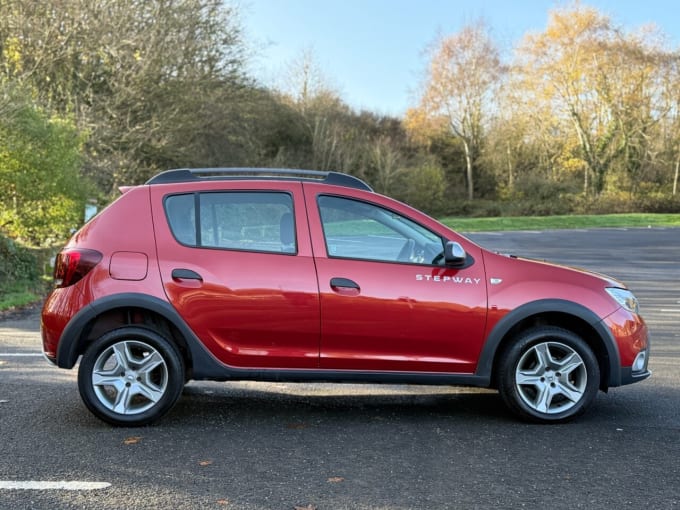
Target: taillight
{"points": [[73, 264]]}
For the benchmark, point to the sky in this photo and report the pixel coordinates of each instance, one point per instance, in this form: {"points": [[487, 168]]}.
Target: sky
{"points": [[372, 51]]}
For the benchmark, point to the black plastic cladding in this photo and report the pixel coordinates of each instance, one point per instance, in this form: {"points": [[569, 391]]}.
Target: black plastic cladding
{"points": [[194, 174]]}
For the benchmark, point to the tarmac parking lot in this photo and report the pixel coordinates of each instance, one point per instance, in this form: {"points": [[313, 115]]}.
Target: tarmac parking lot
{"points": [[245, 445]]}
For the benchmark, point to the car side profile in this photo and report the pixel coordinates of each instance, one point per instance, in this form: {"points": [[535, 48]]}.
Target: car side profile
{"points": [[293, 275]]}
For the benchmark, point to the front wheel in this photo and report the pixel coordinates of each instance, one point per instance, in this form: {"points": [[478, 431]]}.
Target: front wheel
{"points": [[548, 375], [130, 376]]}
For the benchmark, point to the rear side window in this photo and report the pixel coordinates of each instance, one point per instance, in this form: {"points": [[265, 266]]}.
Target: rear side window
{"points": [[238, 220]]}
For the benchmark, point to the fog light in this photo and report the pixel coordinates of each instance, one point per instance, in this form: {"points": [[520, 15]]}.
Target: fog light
{"points": [[639, 363]]}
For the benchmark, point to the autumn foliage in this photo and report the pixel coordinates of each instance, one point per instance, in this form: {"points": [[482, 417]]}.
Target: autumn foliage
{"points": [[581, 116], [583, 112]]}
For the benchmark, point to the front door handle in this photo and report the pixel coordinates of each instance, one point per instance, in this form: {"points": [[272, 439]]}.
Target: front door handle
{"points": [[185, 274], [344, 283]]}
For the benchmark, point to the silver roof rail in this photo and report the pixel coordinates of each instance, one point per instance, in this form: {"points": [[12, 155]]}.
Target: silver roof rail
{"points": [[195, 174]]}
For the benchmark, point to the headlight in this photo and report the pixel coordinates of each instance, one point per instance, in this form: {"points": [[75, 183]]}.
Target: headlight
{"points": [[625, 298]]}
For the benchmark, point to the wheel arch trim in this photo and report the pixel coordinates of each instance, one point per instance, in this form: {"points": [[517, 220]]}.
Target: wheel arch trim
{"points": [[500, 331], [72, 339]]}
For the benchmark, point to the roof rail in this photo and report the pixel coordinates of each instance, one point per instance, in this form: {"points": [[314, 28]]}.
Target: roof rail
{"points": [[194, 174]]}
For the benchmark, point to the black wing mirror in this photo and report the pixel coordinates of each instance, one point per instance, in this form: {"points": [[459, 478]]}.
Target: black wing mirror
{"points": [[454, 254]]}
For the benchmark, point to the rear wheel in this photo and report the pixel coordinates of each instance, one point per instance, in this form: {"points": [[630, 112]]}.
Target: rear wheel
{"points": [[549, 375], [130, 376]]}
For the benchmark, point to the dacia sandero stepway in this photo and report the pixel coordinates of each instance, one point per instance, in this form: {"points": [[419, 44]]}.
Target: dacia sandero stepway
{"points": [[289, 275]]}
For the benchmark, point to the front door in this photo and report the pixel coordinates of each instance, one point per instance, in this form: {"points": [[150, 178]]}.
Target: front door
{"points": [[387, 301]]}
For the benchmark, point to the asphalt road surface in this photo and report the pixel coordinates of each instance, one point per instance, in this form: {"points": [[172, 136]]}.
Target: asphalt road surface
{"points": [[321, 446]]}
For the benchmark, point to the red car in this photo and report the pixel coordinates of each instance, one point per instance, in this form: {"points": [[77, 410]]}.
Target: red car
{"points": [[282, 275]]}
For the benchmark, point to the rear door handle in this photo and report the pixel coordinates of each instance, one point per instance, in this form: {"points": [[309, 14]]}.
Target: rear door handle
{"points": [[185, 274], [344, 283]]}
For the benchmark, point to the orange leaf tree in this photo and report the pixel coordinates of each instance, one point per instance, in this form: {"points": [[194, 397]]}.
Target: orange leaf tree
{"points": [[464, 69]]}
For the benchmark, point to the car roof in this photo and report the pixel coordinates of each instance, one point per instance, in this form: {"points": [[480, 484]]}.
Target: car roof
{"points": [[211, 174]]}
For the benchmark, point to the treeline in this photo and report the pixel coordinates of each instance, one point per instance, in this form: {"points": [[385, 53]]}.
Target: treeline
{"points": [[583, 117]]}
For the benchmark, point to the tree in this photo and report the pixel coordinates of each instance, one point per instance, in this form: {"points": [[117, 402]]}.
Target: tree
{"points": [[305, 84], [601, 84], [424, 186], [463, 70], [132, 73], [324, 115], [387, 163], [671, 123], [42, 196]]}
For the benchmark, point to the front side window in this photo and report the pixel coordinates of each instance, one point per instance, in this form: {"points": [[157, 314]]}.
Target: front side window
{"points": [[359, 230], [252, 221]]}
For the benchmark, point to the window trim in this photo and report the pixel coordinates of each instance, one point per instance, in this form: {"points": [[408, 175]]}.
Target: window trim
{"points": [[197, 220]]}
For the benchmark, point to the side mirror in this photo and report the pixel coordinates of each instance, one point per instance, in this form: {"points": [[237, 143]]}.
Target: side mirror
{"points": [[454, 254]]}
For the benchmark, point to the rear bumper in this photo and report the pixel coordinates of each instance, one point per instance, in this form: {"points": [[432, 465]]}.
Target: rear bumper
{"points": [[59, 307], [51, 361]]}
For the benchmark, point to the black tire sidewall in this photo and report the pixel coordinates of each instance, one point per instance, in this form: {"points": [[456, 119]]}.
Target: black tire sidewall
{"points": [[170, 356], [527, 340]]}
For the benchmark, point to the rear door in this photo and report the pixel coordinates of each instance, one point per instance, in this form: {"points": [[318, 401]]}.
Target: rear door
{"points": [[237, 265], [387, 301]]}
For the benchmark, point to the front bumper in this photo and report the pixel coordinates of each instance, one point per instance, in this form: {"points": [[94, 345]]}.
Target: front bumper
{"points": [[630, 377], [632, 338]]}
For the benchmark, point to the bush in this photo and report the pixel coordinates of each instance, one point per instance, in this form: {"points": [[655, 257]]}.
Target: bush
{"points": [[536, 196], [20, 274], [479, 208], [659, 204], [424, 187], [622, 203], [17, 263], [42, 195], [558, 206]]}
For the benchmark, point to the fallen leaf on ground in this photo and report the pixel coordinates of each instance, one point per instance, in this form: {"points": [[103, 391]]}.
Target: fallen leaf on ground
{"points": [[308, 507], [205, 462], [222, 501], [336, 479], [3, 401], [132, 440]]}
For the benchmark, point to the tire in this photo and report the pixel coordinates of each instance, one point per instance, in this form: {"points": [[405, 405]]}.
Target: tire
{"points": [[130, 376], [548, 375]]}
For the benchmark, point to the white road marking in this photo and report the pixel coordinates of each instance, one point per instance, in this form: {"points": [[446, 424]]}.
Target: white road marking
{"points": [[42, 486], [670, 310], [19, 354]]}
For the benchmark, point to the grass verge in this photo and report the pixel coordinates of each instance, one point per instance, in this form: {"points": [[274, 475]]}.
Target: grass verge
{"points": [[12, 300], [562, 222], [20, 294]]}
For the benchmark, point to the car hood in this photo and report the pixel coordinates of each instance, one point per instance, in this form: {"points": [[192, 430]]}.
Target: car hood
{"points": [[513, 280], [546, 265]]}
